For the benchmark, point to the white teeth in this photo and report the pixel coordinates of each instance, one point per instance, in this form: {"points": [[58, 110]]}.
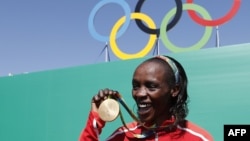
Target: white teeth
{"points": [[143, 105]]}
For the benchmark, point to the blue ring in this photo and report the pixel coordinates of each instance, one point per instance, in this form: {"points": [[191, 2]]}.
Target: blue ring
{"points": [[92, 29]]}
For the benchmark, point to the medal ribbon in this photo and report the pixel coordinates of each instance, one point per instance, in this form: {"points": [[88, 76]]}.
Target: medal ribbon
{"points": [[142, 135]]}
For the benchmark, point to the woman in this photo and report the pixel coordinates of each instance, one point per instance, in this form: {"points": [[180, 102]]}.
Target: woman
{"points": [[160, 92]]}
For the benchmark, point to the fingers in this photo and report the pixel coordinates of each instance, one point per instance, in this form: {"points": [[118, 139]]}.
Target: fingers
{"points": [[102, 95]]}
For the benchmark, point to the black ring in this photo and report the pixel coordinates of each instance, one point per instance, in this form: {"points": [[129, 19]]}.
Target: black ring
{"points": [[157, 31]]}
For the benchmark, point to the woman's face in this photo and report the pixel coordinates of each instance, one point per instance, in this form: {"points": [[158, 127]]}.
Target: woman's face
{"points": [[151, 93]]}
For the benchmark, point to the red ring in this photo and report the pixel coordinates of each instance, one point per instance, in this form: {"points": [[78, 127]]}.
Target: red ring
{"points": [[215, 22]]}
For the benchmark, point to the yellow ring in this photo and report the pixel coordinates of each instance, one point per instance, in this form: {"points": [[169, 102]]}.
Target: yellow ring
{"points": [[145, 50]]}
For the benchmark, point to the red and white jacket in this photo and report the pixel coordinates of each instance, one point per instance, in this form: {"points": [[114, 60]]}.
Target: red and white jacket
{"points": [[190, 132]]}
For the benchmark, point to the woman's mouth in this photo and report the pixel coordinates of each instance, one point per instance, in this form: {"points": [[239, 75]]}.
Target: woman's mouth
{"points": [[144, 108]]}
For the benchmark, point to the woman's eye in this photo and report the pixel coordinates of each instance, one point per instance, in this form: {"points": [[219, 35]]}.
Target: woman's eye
{"points": [[152, 87], [135, 87]]}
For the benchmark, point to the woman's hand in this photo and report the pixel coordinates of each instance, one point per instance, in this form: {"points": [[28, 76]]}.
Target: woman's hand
{"points": [[101, 96]]}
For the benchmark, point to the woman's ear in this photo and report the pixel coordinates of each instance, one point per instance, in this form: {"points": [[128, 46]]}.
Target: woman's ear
{"points": [[175, 90]]}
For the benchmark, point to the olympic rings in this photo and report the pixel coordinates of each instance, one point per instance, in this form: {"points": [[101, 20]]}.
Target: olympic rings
{"points": [[216, 22], [92, 30], [157, 31], [198, 45], [146, 49], [149, 27]]}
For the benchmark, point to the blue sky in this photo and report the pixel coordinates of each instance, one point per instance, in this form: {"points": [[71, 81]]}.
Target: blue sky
{"points": [[38, 35]]}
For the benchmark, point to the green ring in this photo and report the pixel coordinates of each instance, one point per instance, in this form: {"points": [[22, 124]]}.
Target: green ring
{"points": [[198, 45]]}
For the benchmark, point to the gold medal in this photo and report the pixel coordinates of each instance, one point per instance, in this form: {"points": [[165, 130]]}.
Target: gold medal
{"points": [[109, 110]]}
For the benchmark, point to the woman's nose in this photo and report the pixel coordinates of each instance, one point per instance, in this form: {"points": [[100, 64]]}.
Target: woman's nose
{"points": [[141, 92]]}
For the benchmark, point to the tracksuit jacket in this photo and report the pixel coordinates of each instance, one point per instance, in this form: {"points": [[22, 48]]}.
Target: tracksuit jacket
{"points": [[190, 132]]}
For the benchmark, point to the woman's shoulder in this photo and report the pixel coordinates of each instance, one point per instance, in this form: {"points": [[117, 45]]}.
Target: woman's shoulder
{"points": [[196, 130]]}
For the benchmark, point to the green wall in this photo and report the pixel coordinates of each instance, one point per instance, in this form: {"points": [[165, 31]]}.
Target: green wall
{"points": [[53, 105]]}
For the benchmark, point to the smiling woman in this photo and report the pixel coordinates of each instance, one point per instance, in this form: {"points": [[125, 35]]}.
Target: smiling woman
{"points": [[160, 92]]}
